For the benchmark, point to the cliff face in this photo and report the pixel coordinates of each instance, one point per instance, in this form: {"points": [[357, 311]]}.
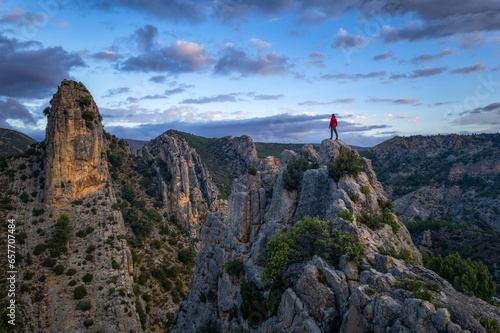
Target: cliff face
{"points": [[320, 297], [96, 258], [441, 176], [76, 161], [185, 184], [451, 177]]}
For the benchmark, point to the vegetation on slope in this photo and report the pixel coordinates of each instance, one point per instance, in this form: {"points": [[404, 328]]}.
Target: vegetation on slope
{"points": [[265, 149], [12, 142], [221, 164], [308, 237], [421, 161], [471, 277]]}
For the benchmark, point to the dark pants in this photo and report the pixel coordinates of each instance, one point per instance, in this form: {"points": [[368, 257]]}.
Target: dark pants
{"points": [[334, 129]]}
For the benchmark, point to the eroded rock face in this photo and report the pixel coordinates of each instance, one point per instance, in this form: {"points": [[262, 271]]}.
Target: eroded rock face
{"points": [[322, 297], [185, 183], [76, 157]]}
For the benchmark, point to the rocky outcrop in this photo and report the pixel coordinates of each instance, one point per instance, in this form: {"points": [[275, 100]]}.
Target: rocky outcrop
{"points": [[184, 181], [96, 258], [76, 156], [443, 176], [450, 177], [244, 148], [374, 297]]}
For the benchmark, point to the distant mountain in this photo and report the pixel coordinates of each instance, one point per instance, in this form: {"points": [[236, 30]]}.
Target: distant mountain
{"points": [[136, 144], [456, 177], [447, 189], [12, 142]]}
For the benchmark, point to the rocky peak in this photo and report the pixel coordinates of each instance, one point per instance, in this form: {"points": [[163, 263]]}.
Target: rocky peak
{"points": [[185, 184], [245, 148], [259, 206], [76, 161]]}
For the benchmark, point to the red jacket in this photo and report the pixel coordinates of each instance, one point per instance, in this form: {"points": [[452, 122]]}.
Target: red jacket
{"points": [[333, 122]]}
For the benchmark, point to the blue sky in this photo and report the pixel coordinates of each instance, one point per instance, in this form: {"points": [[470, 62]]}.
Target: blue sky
{"points": [[271, 69]]}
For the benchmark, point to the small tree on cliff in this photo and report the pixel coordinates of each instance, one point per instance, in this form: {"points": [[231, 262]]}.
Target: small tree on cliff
{"points": [[64, 229]]}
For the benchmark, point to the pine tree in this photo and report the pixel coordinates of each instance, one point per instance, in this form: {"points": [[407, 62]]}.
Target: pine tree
{"points": [[64, 229]]}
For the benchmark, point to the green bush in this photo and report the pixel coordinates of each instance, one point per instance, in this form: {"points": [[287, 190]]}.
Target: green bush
{"points": [[375, 221], [71, 272], [233, 312], [129, 193], [156, 244], [38, 212], [365, 190], [143, 317], [354, 197], [87, 278], [466, 275], [162, 277], [306, 238], [88, 322], [153, 215], [274, 299], [252, 171], [24, 197], [89, 117], [115, 265], [233, 267], [143, 278], [63, 229], [253, 307], [142, 227], [347, 163], [403, 254], [491, 326], [346, 215], [417, 227], [84, 100], [91, 248], [84, 305], [49, 262], [292, 175], [59, 269], [39, 249], [164, 172], [173, 271], [186, 256], [21, 237], [80, 292]]}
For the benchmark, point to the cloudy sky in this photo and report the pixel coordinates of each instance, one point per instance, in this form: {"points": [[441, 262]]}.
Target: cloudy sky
{"points": [[271, 69]]}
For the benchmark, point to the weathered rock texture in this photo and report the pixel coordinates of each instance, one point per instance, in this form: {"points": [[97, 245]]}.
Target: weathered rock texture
{"points": [[73, 155], [322, 298], [444, 176], [76, 162], [185, 184], [451, 177]]}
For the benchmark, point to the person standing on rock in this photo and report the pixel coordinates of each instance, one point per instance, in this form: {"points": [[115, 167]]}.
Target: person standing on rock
{"points": [[333, 127]]}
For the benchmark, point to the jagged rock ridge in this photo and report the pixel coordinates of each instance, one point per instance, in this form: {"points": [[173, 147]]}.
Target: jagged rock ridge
{"points": [[345, 298], [185, 184]]}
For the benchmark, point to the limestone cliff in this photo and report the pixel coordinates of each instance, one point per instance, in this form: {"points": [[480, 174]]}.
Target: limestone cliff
{"points": [[443, 176], [76, 161], [450, 177], [321, 297], [86, 282], [185, 184]]}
